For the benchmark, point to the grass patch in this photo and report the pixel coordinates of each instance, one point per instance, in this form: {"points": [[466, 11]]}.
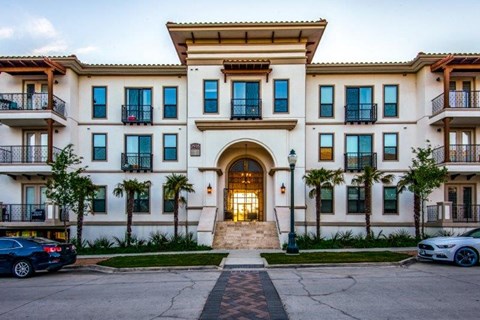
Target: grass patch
{"points": [[139, 249], [334, 257], [165, 260]]}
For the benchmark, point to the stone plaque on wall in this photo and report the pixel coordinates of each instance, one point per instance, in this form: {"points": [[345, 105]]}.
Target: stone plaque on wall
{"points": [[195, 150]]}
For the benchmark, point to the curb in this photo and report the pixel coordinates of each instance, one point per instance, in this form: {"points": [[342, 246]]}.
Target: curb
{"points": [[103, 269], [402, 263]]}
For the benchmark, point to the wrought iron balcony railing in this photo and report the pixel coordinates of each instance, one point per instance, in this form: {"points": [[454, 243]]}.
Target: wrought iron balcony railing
{"points": [[30, 101], [457, 99], [23, 212], [137, 114], [460, 213], [457, 153], [246, 109], [432, 213], [363, 112], [357, 161], [25, 154], [137, 161]]}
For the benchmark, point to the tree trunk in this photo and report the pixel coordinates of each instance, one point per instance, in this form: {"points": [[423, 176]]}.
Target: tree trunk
{"points": [[318, 206], [368, 208], [63, 216], [416, 215], [129, 216], [80, 222], [175, 216], [423, 217]]}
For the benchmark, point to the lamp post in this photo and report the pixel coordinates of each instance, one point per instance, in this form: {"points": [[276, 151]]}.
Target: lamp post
{"points": [[292, 246]]}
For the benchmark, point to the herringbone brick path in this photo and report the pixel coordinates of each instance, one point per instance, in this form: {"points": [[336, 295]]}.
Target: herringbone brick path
{"points": [[244, 295]]}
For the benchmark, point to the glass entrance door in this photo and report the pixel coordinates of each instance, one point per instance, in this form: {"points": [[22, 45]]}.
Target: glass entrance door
{"points": [[33, 207], [35, 146]]}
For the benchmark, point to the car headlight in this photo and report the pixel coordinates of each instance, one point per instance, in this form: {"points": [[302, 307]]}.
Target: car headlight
{"points": [[446, 246]]}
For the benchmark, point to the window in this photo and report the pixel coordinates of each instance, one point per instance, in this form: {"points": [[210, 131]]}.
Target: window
{"points": [[390, 149], [360, 105], [281, 96], [169, 147], [246, 100], [170, 102], [326, 101], [99, 102], [359, 152], [210, 96], [167, 202], [390, 103], [99, 204], [138, 105], [356, 199], [138, 153], [99, 149], [390, 203], [141, 202], [327, 200], [326, 146]]}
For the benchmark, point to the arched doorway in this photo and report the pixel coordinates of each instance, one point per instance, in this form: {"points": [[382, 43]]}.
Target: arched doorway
{"points": [[243, 196]]}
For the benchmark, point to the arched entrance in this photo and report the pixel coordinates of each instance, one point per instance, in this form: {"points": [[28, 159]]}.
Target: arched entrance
{"points": [[244, 195]]}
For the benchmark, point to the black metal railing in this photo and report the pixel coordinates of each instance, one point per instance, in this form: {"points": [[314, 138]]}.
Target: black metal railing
{"points": [[432, 213], [466, 213], [458, 153], [26, 154], [137, 161], [357, 161], [23, 212], [246, 109], [30, 101], [363, 112], [137, 114], [457, 99]]}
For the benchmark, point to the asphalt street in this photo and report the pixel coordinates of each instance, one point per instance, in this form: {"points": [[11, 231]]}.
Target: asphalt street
{"points": [[419, 291]]}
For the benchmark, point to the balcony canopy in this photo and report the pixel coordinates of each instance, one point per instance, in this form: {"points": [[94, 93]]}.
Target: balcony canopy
{"points": [[470, 62], [30, 66]]}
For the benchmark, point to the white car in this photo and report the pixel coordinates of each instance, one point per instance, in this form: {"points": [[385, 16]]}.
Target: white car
{"points": [[463, 250]]}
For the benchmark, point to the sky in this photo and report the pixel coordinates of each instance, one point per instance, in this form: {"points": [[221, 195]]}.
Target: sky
{"points": [[133, 31]]}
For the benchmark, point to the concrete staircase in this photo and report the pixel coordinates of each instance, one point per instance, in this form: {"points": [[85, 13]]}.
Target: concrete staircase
{"points": [[246, 235]]}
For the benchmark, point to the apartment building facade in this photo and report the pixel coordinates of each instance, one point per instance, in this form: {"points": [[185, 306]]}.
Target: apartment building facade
{"points": [[243, 97]]}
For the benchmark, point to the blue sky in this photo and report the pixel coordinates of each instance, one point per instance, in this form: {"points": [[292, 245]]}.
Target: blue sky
{"points": [[133, 31]]}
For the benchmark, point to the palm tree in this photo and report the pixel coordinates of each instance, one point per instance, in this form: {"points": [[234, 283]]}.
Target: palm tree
{"points": [[83, 191], [130, 187], [369, 177], [408, 181], [175, 184], [318, 179]]}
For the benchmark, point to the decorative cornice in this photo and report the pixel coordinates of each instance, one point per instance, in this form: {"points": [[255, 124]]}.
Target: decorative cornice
{"points": [[274, 124]]}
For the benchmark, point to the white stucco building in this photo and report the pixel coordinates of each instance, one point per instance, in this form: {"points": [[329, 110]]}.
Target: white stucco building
{"points": [[244, 95]]}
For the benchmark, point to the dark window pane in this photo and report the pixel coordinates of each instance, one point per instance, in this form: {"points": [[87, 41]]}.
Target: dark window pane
{"points": [[210, 96], [170, 111], [99, 102], [211, 106], [326, 110], [327, 200], [390, 110], [281, 96], [281, 105], [390, 200], [390, 146], [170, 102], [390, 100], [99, 147], [99, 111], [169, 147], [326, 101], [99, 202]]}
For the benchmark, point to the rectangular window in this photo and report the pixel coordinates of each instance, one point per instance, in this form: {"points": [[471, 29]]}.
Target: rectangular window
{"points": [[359, 152], [170, 102], [141, 202], [390, 146], [169, 147], [281, 96], [326, 146], [356, 199], [246, 103], [99, 148], [326, 101], [327, 200], [99, 102], [138, 105], [360, 105], [138, 153], [390, 201], [167, 202], [99, 204], [390, 103], [210, 96]]}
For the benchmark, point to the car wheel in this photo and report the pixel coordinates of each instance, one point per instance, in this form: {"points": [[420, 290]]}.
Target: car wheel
{"points": [[466, 257], [22, 269]]}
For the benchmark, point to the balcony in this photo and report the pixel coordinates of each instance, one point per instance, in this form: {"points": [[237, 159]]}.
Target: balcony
{"points": [[137, 162], [23, 213], [25, 160], [30, 110], [460, 213], [243, 109], [137, 114], [357, 161], [363, 112], [463, 108]]}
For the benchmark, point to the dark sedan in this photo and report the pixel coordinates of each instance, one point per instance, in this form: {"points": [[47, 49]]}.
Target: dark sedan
{"points": [[23, 256]]}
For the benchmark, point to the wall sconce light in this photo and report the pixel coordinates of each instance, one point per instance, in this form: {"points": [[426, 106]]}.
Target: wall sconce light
{"points": [[438, 79], [209, 189], [56, 82], [282, 188], [439, 130]]}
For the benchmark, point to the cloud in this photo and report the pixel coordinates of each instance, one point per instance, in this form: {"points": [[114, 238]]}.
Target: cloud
{"points": [[6, 33], [85, 50], [55, 47], [41, 27]]}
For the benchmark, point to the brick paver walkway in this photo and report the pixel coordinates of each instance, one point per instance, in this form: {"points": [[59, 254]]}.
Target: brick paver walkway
{"points": [[244, 295]]}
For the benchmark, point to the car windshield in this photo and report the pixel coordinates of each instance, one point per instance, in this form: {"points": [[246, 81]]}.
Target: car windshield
{"points": [[475, 233], [43, 241]]}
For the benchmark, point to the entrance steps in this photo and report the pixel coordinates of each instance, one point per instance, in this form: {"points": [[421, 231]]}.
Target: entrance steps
{"points": [[246, 235]]}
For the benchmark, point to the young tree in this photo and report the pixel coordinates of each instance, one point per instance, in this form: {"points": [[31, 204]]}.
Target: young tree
{"points": [[422, 178], [174, 185], [84, 193], [130, 187], [368, 178], [318, 179]]}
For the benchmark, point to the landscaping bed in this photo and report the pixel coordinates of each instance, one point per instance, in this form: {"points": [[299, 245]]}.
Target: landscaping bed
{"points": [[335, 257], [165, 260]]}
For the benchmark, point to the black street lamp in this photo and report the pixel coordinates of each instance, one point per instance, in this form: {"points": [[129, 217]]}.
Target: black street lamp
{"points": [[292, 245]]}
